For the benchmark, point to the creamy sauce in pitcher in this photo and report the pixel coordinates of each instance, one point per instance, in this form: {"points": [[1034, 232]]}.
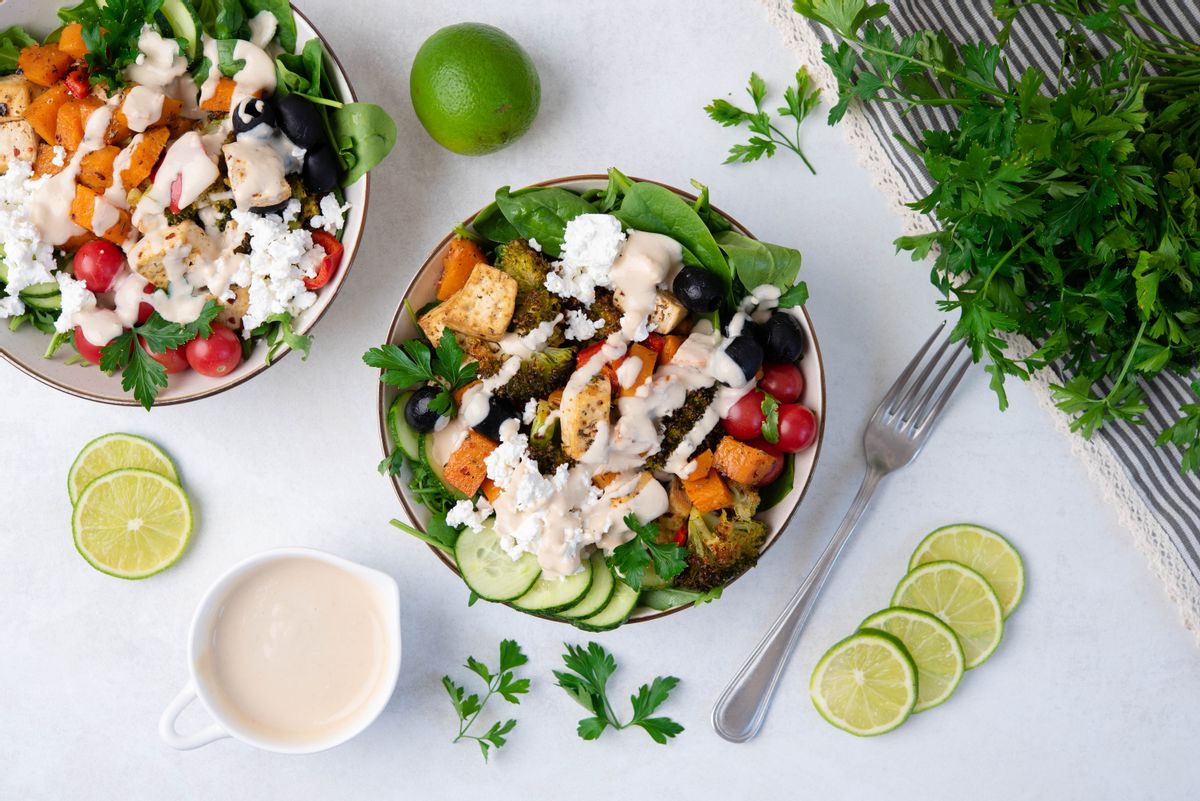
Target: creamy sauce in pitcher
{"points": [[298, 650]]}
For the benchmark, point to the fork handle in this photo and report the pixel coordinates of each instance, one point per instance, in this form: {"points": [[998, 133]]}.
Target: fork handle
{"points": [[739, 712]]}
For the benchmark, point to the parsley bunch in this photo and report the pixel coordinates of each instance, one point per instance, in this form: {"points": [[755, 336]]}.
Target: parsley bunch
{"points": [[503, 682], [412, 363], [799, 100], [110, 31], [631, 559], [1067, 204], [130, 352], [587, 683]]}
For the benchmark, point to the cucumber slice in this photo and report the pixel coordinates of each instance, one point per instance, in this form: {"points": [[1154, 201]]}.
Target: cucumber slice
{"points": [[403, 435], [491, 573], [651, 580], [603, 584], [439, 470], [48, 302], [184, 23], [550, 595], [618, 609], [43, 290]]}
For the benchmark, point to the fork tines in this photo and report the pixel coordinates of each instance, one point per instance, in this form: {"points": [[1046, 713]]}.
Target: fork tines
{"points": [[925, 386]]}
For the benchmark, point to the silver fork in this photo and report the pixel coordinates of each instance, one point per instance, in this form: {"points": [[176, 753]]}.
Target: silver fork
{"points": [[894, 436]]}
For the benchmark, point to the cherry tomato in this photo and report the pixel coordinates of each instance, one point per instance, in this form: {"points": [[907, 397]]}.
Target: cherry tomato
{"points": [[176, 192], [766, 447], [97, 264], [797, 427], [78, 83], [329, 265], [144, 308], [784, 381], [174, 359], [85, 348], [216, 356], [745, 419]]}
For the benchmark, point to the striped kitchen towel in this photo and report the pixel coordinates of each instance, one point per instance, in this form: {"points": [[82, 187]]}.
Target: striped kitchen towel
{"points": [[1156, 503]]}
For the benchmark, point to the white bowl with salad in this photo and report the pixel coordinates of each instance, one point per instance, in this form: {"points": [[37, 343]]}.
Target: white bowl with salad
{"points": [[177, 213], [601, 399]]}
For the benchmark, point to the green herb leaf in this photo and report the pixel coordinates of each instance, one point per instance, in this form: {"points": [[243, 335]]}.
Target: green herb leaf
{"points": [[542, 213], [502, 682], [12, 40], [799, 101], [631, 558], [770, 427], [587, 682]]}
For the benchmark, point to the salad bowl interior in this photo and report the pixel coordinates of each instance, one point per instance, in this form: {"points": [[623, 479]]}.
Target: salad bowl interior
{"points": [[25, 348], [423, 289]]}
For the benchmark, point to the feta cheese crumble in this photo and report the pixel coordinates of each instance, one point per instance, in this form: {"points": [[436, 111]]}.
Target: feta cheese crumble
{"points": [[60, 156], [591, 243], [530, 412], [276, 266], [28, 260], [332, 216], [75, 298], [471, 515], [536, 245], [580, 327]]}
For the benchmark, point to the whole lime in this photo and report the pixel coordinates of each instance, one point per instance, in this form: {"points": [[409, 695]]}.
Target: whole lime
{"points": [[474, 88]]}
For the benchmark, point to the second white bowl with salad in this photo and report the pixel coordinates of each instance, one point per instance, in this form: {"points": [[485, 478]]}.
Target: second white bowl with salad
{"points": [[177, 213], [601, 399]]}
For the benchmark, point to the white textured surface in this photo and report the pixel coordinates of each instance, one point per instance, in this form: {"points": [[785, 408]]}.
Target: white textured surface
{"points": [[1092, 694]]}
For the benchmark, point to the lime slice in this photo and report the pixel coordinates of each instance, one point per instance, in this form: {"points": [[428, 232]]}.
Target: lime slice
{"points": [[982, 550], [866, 684], [934, 649], [114, 452], [132, 523], [960, 598]]}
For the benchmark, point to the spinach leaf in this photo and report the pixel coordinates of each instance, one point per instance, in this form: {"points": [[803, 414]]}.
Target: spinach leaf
{"points": [[78, 13], [230, 21], [12, 40], [282, 10], [491, 225], [779, 489], [363, 135], [653, 208], [301, 73], [715, 222], [542, 214], [618, 184], [226, 63], [756, 263]]}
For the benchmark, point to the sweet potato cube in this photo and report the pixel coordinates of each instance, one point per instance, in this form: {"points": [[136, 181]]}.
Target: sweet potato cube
{"points": [[490, 490], [466, 471], [70, 41], [96, 168], [671, 343], [83, 213], [709, 493], [221, 98], [68, 129], [44, 64], [42, 113], [461, 257], [704, 463], [648, 358], [742, 463], [167, 116], [144, 152], [44, 164], [462, 391]]}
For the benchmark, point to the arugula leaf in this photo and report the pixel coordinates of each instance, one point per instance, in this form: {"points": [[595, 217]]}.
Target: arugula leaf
{"points": [[799, 101], [587, 683], [770, 426], [502, 682], [279, 333], [12, 40], [631, 558]]}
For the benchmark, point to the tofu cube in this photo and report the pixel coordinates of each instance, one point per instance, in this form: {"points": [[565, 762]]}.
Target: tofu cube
{"points": [[180, 245], [668, 312], [18, 142], [255, 175], [15, 96]]}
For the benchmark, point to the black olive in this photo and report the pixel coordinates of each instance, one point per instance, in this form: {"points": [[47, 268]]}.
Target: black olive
{"points": [[274, 208], [746, 354], [251, 113], [698, 289], [783, 338], [417, 412], [499, 410], [299, 119], [320, 172]]}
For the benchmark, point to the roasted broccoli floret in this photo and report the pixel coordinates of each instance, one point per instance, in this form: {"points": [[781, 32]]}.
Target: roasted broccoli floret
{"points": [[745, 500], [678, 423], [535, 303], [545, 443], [539, 375], [310, 204], [605, 308], [720, 548]]}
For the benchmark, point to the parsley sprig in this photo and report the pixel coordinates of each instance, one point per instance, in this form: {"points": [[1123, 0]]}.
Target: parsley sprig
{"points": [[1066, 203], [412, 363], [630, 559], [799, 100], [110, 31], [502, 682], [130, 352], [587, 682]]}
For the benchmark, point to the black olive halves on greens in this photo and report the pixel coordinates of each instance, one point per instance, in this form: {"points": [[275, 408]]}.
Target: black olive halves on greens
{"points": [[746, 354], [300, 120], [782, 338], [417, 411], [320, 171], [698, 289], [499, 410], [251, 113]]}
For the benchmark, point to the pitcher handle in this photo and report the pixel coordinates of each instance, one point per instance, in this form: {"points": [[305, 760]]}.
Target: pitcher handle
{"points": [[186, 742]]}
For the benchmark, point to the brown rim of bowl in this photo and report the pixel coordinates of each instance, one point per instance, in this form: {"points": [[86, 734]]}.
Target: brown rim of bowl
{"points": [[383, 432], [348, 262]]}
